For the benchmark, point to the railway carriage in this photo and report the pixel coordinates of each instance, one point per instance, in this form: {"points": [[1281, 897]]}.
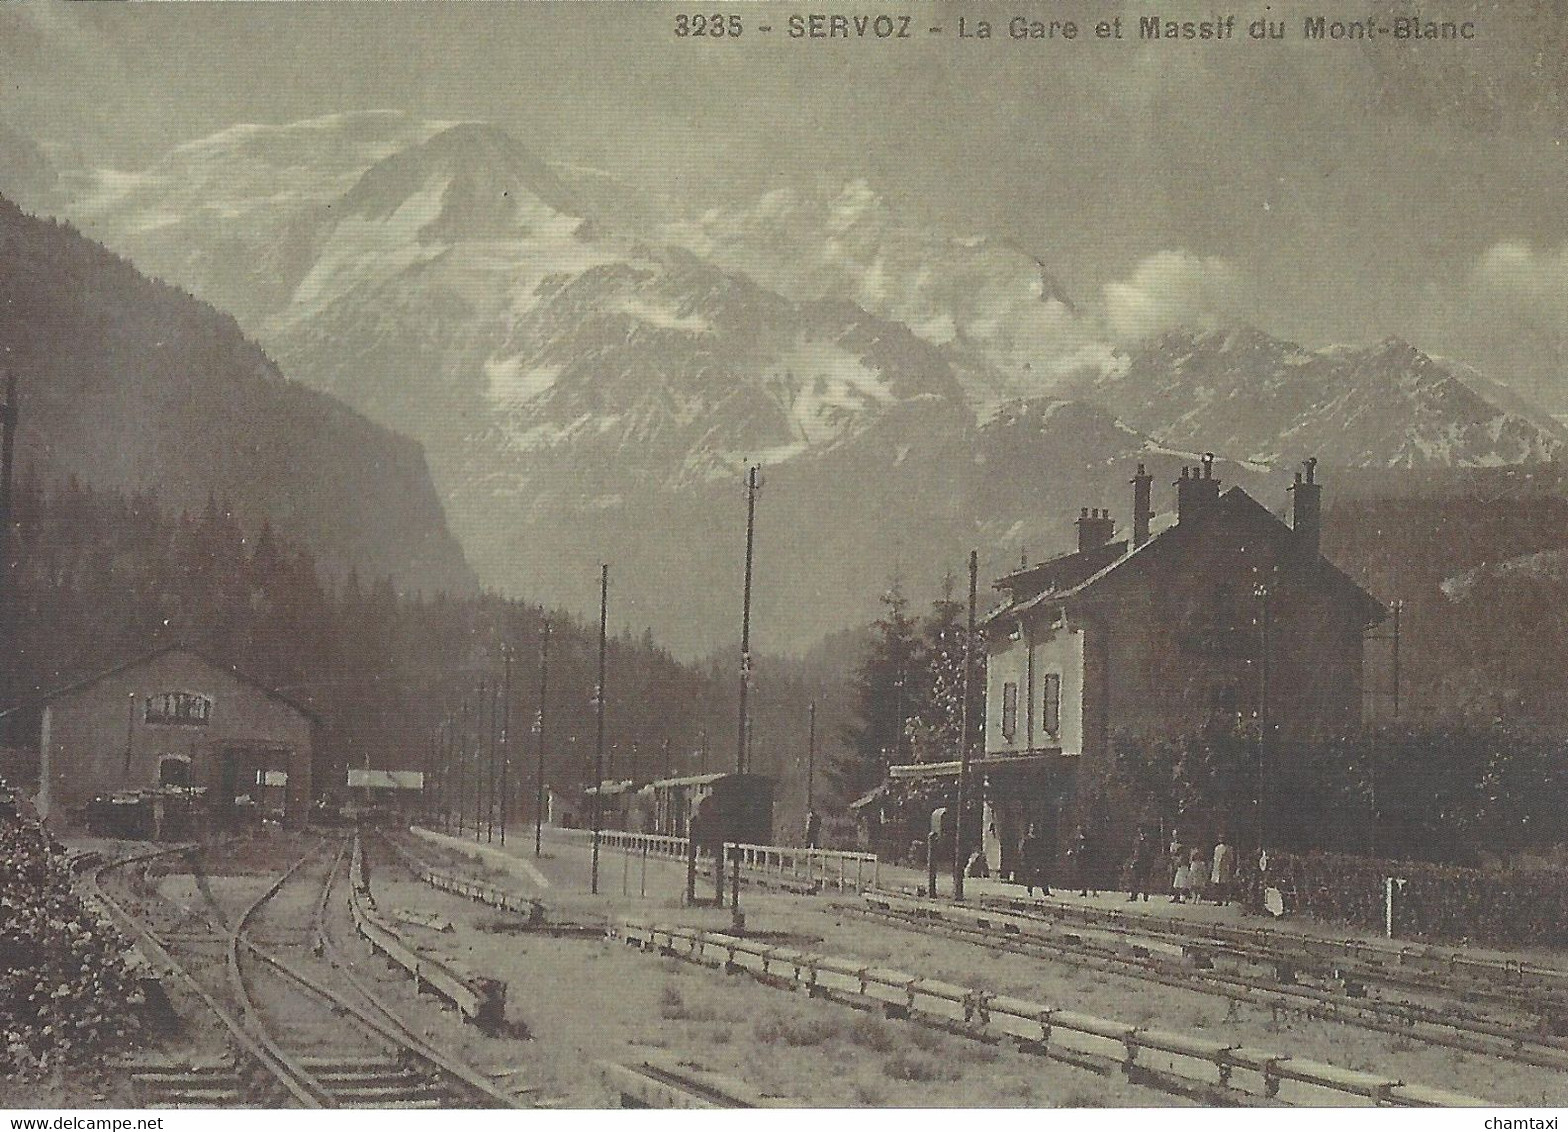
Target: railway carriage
{"points": [[727, 807], [622, 806]]}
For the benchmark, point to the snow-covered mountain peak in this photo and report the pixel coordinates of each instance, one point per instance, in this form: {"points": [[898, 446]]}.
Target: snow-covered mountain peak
{"points": [[490, 185]]}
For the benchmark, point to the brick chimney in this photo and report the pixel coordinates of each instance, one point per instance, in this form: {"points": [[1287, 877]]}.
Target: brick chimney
{"points": [[1196, 489], [1142, 483], [1306, 512], [1095, 528]]}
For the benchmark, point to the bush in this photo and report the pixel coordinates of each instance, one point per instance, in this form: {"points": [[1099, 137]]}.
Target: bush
{"points": [[65, 989], [795, 1031], [873, 1033]]}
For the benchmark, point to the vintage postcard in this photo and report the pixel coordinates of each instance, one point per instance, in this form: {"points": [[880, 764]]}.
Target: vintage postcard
{"points": [[783, 555]]}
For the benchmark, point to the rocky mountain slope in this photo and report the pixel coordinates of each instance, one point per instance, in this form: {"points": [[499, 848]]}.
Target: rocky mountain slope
{"points": [[129, 383], [1241, 392]]}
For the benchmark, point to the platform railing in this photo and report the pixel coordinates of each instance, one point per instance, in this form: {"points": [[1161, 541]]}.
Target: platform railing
{"points": [[842, 869]]}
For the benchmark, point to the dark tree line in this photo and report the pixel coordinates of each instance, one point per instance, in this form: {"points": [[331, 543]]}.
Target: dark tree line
{"points": [[1456, 793], [96, 578]]}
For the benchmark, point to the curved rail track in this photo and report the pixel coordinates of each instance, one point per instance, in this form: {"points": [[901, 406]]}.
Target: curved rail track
{"points": [[278, 990], [1263, 970]]}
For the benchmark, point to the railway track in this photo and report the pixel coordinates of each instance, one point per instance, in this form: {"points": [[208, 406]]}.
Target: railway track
{"points": [[1417, 1005], [664, 1082], [274, 976]]}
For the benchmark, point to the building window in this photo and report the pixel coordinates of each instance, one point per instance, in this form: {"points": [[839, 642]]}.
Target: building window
{"points": [[1009, 711], [174, 770], [1052, 715], [177, 709]]}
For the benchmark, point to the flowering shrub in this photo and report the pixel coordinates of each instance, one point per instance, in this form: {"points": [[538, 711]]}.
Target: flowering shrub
{"points": [[65, 987]]}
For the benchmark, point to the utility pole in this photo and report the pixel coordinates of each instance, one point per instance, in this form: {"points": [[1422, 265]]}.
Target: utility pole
{"points": [[1261, 592], [544, 683], [8, 419], [963, 737], [598, 750], [484, 741], [745, 619], [811, 753], [506, 732], [493, 801], [1399, 607], [462, 765]]}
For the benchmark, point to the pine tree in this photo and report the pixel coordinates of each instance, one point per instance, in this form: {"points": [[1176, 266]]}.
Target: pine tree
{"points": [[889, 691]]}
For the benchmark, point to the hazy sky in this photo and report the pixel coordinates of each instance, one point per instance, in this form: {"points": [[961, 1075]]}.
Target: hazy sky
{"points": [[1327, 192]]}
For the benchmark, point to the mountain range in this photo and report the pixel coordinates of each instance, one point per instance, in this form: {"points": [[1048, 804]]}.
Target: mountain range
{"points": [[589, 371]]}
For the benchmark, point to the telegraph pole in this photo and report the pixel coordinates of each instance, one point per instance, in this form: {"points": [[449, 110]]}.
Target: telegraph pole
{"points": [[1263, 594], [8, 419], [598, 750], [811, 753], [963, 737], [462, 761], [1399, 607], [544, 683], [492, 800], [506, 732], [745, 618], [484, 750]]}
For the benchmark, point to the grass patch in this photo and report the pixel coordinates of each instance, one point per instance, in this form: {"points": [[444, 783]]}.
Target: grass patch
{"points": [[773, 1029], [1081, 1098], [870, 1032], [869, 1095], [912, 1065], [673, 1007]]}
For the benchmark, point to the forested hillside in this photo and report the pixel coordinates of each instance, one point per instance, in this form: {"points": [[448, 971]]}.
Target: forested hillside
{"points": [[133, 385]]}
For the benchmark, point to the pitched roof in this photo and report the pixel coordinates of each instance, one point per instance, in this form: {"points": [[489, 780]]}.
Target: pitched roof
{"points": [[135, 662], [1235, 505], [1063, 570]]}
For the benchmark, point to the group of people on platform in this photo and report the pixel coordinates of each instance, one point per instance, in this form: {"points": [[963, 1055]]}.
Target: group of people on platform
{"points": [[1189, 874]]}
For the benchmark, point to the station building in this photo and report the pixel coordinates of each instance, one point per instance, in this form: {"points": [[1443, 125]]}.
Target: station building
{"points": [[175, 724], [1228, 616]]}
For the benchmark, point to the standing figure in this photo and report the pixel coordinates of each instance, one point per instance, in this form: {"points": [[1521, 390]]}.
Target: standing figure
{"points": [[1083, 867], [1181, 876], [1031, 861], [1222, 877], [813, 830], [1138, 866], [1198, 874]]}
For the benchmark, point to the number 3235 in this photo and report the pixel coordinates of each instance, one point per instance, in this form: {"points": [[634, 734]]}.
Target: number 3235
{"points": [[716, 26]]}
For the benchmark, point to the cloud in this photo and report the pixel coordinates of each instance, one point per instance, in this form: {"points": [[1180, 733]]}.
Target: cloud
{"points": [[1534, 284], [1509, 315], [1171, 289]]}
